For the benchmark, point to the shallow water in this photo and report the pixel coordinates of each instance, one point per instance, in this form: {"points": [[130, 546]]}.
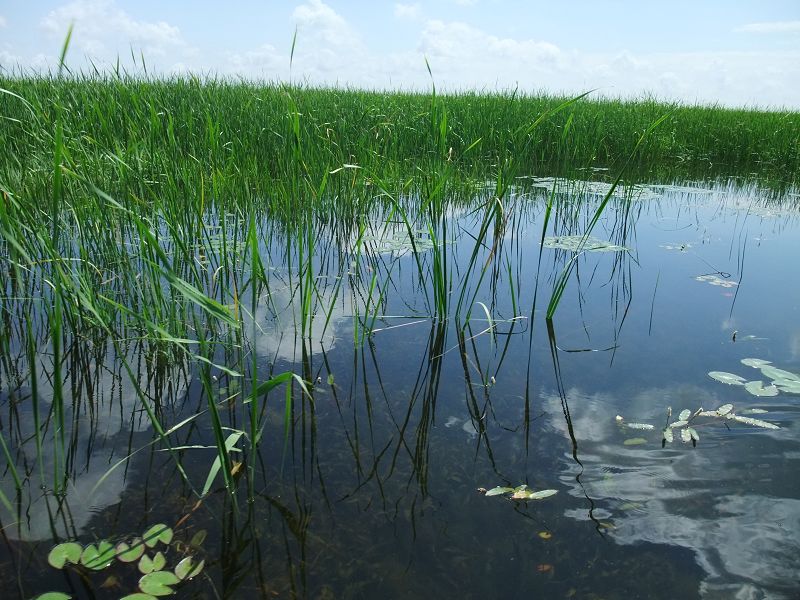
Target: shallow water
{"points": [[375, 491]]}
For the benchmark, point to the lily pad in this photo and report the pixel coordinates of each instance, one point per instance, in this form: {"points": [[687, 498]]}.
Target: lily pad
{"points": [[150, 565], [755, 362], [54, 596], [775, 373], [138, 596], [757, 388], [715, 280], [187, 568], [728, 378], [98, 557], [638, 441], [496, 491], [157, 584], [69, 552], [542, 494], [791, 388], [130, 553], [579, 243], [157, 533]]}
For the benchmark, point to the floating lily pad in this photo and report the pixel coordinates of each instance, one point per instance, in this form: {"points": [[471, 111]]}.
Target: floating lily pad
{"points": [[724, 409], [187, 568], [54, 596], [496, 491], [775, 373], [150, 565], [791, 387], [577, 243], [157, 584], [157, 533], [728, 378], [755, 362], [757, 388], [69, 552], [715, 280], [532, 495], [640, 426], [98, 557], [754, 422], [138, 596], [638, 441], [130, 553]]}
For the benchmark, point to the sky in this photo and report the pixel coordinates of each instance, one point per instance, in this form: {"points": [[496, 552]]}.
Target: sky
{"points": [[733, 53]]}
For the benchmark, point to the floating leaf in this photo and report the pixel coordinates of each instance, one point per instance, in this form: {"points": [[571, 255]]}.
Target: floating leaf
{"points": [[686, 437], [791, 387], [157, 584], [755, 362], [754, 422], [157, 533], [69, 552], [541, 494], [724, 409], [640, 426], [757, 388], [716, 280], [579, 243], [693, 434], [54, 596], [98, 557], [496, 491], [186, 569], [775, 373], [638, 441], [138, 596], [545, 535], [198, 539], [150, 565], [330, 378], [728, 378], [753, 411], [668, 434], [708, 413], [685, 414], [132, 553], [676, 424]]}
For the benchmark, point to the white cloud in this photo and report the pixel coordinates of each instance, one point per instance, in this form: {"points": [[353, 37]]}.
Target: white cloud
{"points": [[3, 21], [100, 25], [407, 11], [771, 27]]}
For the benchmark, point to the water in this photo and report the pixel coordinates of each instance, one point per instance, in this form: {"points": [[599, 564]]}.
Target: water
{"points": [[375, 492]]}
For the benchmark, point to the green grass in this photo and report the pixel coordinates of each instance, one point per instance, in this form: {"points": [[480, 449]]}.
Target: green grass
{"points": [[166, 214]]}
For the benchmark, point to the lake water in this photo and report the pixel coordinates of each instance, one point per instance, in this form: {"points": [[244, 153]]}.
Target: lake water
{"points": [[412, 409]]}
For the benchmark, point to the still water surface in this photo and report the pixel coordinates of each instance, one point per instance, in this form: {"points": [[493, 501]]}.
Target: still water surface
{"points": [[375, 493]]}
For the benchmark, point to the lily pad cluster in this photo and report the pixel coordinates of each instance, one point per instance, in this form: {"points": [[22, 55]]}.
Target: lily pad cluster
{"points": [[716, 280], [521, 492], [145, 552], [579, 243], [782, 380]]}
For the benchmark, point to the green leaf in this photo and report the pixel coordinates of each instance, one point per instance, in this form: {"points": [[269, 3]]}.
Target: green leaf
{"points": [[150, 565], [581, 243], [230, 442], [54, 596], [638, 441], [157, 533], [157, 584], [98, 557], [728, 378], [693, 434], [787, 385], [724, 409], [186, 569], [757, 388], [496, 491], [138, 596], [685, 414], [775, 373], [754, 422], [640, 426], [132, 553], [686, 437], [330, 378], [668, 436], [69, 552], [541, 494], [755, 362], [676, 424], [198, 539]]}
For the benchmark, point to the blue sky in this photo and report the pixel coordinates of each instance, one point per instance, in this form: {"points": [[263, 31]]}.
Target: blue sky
{"points": [[732, 53]]}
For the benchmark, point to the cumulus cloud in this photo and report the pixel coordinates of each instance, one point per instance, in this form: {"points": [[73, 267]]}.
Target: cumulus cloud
{"points": [[100, 25], [407, 11], [771, 27]]}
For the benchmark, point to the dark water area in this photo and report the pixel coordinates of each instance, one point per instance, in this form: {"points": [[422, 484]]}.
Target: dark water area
{"points": [[374, 490]]}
